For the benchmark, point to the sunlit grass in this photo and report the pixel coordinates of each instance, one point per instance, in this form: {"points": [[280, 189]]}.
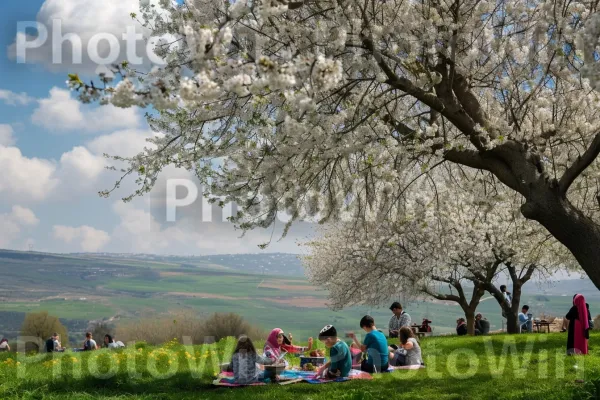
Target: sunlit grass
{"points": [[495, 367]]}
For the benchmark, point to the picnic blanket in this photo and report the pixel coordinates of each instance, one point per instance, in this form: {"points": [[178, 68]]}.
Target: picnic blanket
{"points": [[290, 376], [392, 368]]}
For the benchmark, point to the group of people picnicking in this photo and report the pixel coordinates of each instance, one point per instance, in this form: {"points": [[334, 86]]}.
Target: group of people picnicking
{"points": [[577, 322], [372, 355], [53, 344]]}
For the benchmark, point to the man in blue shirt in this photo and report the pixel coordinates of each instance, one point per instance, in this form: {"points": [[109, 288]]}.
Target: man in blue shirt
{"points": [[524, 321], [374, 344]]}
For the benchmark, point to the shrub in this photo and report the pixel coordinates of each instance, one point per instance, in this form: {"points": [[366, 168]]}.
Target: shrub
{"points": [[182, 325], [41, 325], [160, 330], [221, 325]]}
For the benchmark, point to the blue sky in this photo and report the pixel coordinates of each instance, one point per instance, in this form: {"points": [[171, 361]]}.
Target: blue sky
{"points": [[51, 152]]}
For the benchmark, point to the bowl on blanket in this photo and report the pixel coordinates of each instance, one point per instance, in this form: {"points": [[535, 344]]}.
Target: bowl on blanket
{"points": [[317, 361]]}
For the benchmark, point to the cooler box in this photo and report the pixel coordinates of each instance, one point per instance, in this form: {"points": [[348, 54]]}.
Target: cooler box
{"points": [[316, 361]]}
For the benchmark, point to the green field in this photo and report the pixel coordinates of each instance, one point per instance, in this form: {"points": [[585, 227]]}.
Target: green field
{"points": [[513, 367]]}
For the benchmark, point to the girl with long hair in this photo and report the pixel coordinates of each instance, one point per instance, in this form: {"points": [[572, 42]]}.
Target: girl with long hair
{"points": [[244, 362]]}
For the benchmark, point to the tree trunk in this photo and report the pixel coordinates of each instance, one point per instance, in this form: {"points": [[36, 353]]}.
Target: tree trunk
{"points": [[568, 225], [511, 311], [470, 314], [520, 168], [512, 326]]}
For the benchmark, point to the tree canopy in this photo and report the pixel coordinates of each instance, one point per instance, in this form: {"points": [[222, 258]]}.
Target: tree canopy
{"points": [[320, 107], [444, 239]]}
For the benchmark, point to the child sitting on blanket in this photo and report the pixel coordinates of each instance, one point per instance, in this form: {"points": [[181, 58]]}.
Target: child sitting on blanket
{"points": [[409, 352], [278, 342], [244, 362], [357, 355], [374, 344], [340, 360]]}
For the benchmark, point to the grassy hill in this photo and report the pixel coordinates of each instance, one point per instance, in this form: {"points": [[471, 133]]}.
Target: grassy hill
{"points": [[516, 367], [267, 290]]}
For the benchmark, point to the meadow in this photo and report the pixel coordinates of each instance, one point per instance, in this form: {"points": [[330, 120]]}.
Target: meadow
{"points": [[532, 366]]}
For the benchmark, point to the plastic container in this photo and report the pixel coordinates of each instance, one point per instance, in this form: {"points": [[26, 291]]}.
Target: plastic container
{"points": [[275, 369]]}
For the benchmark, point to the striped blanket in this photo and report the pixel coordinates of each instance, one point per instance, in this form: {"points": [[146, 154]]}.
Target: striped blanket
{"points": [[290, 376]]}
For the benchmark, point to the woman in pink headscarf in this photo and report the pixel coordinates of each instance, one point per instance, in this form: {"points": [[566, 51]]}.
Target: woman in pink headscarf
{"points": [[278, 342], [577, 340]]}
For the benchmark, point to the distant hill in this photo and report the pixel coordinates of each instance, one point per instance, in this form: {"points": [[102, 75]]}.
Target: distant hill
{"points": [[279, 264]]}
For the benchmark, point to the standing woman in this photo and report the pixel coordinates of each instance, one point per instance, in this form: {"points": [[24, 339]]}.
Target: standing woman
{"points": [[577, 339]]}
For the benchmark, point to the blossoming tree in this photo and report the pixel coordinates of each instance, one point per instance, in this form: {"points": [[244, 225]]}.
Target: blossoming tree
{"points": [[443, 239], [322, 101]]}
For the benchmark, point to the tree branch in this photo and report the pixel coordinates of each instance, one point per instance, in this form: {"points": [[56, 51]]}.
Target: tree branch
{"points": [[582, 162]]}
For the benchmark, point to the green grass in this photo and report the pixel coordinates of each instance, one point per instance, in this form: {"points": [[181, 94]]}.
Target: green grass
{"points": [[495, 367]]}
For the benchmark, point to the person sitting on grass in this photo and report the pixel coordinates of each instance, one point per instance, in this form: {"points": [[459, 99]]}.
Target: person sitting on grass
{"points": [[398, 320], [357, 354], [340, 360], [244, 360], [374, 344], [89, 343], [53, 344], [524, 321], [482, 325], [461, 327], [278, 342], [111, 343], [409, 351], [4, 345]]}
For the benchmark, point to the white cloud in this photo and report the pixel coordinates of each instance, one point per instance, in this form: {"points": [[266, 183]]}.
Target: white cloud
{"points": [[24, 216], [89, 239], [13, 223], [6, 135], [79, 165], [84, 19], [82, 170], [125, 143], [62, 113], [15, 99], [140, 231], [25, 178]]}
